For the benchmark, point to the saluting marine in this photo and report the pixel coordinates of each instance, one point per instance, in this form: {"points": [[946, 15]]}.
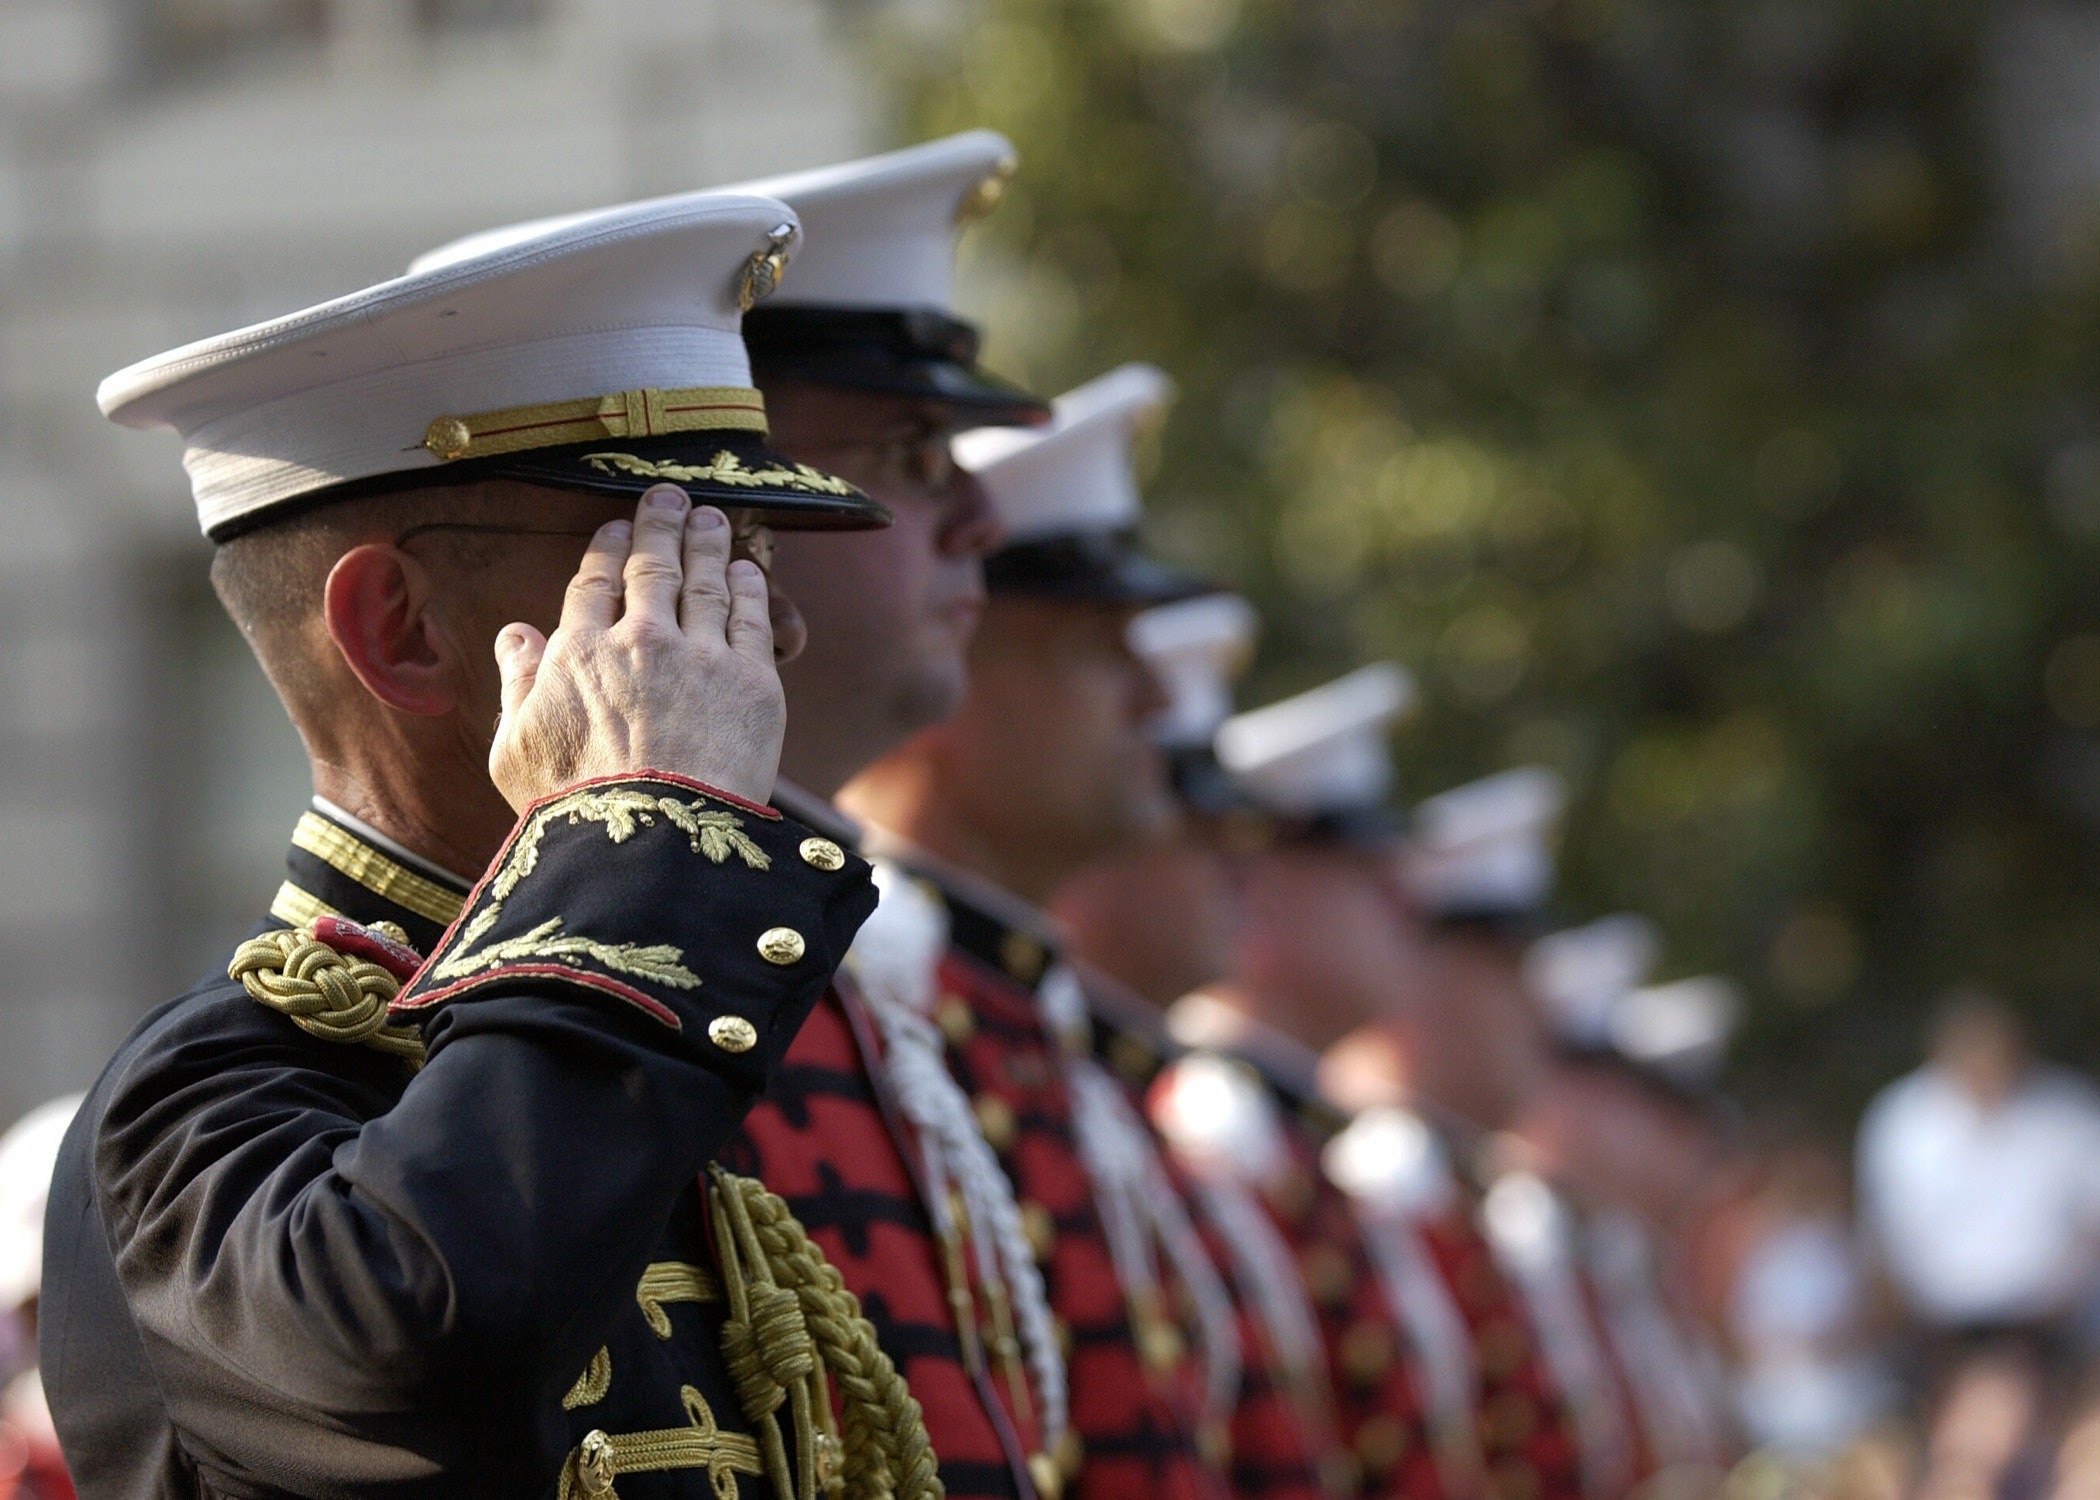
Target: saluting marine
{"points": [[416, 1198], [868, 371]]}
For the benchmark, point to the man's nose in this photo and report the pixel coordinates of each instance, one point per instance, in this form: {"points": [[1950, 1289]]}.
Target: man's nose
{"points": [[971, 527]]}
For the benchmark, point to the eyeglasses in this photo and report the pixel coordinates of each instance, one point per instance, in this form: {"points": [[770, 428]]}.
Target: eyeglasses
{"points": [[919, 459], [747, 537]]}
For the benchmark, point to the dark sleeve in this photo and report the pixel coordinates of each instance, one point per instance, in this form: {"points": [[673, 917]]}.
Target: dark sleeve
{"points": [[342, 1292]]}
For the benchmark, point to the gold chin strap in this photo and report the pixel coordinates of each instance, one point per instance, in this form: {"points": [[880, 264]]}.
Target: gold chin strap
{"points": [[623, 414]]}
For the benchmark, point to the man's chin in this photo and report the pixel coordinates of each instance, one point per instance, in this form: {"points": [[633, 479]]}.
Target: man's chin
{"points": [[930, 693]]}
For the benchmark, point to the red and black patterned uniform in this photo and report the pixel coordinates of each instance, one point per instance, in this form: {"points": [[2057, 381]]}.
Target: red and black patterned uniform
{"points": [[1527, 1440], [1379, 1396], [1136, 1404], [1364, 1429], [832, 1141], [824, 1140]]}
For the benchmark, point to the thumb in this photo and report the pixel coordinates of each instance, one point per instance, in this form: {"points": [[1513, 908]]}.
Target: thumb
{"points": [[519, 650]]}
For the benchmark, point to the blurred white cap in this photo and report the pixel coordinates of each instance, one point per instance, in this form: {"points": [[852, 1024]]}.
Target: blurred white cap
{"points": [[1679, 1030], [1485, 849], [28, 1152], [1578, 976], [1324, 751], [1197, 648], [1073, 475]]}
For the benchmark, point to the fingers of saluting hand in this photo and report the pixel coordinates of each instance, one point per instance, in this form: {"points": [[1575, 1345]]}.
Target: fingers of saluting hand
{"points": [[593, 599], [519, 652], [703, 603], [750, 620], [654, 569]]}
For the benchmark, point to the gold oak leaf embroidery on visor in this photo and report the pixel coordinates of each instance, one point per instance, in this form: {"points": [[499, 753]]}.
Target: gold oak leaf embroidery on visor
{"points": [[713, 834], [725, 468]]}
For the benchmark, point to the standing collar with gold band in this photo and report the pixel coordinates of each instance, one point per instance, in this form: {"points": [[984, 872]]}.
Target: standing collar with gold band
{"points": [[333, 870]]}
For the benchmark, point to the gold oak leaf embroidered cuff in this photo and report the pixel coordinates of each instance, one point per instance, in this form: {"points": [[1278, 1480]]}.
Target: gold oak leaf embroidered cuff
{"points": [[714, 917]]}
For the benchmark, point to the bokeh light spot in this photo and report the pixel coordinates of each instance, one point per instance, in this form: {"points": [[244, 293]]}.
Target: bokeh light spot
{"points": [[1713, 586]]}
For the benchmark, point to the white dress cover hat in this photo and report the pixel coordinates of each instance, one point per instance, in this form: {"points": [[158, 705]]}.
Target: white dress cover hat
{"points": [[1323, 756], [1678, 1032], [1578, 976], [1068, 495], [1484, 851], [1197, 648], [871, 304], [604, 356]]}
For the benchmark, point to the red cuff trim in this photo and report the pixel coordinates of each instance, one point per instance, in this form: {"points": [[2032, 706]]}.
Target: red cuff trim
{"points": [[656, 1010]]}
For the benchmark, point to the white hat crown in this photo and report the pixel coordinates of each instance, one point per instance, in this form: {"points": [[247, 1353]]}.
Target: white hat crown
{"points": [[1196, 648], [648, 299], [1681, 1029], [1578, 976], [1486, 848], [1323, 751], [1073, 476]]}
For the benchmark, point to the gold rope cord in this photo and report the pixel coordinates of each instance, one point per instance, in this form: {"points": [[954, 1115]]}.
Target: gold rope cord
{"points": [[887, 1453], [326, 994]]}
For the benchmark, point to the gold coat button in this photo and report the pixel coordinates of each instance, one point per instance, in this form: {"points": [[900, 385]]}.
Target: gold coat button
{"points": [[732, 1033], [1366, 1353], [781, 945], [1039, 1229], [1381, 1442], [957, 1022], [1023, 956], [1043, 1473], [995, 1117], [822, 854], [1328, 1274]]}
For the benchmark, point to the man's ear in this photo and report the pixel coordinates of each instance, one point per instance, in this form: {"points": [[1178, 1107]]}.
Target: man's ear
{"points": [[377, 607]]}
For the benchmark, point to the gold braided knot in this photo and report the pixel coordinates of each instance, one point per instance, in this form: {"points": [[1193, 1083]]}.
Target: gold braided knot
{"points": [[887, 1455], [768, 1352], [334, 996]]}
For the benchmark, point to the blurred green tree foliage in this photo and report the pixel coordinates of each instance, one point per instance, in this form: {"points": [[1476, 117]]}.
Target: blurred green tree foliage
{"points": [[1653, 381]]}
